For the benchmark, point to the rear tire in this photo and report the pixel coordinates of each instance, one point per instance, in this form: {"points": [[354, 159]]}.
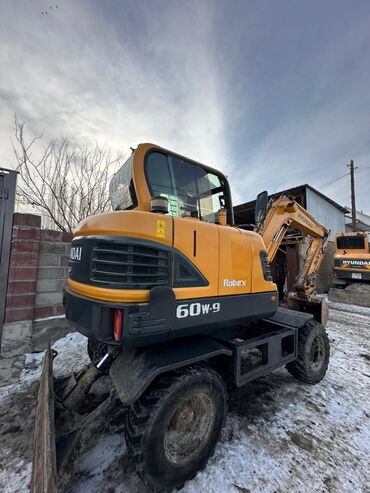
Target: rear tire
{"points": [[172, 430], [313, 353]]}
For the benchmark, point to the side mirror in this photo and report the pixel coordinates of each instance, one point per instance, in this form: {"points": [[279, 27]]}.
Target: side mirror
{"points": [[261, 207]]}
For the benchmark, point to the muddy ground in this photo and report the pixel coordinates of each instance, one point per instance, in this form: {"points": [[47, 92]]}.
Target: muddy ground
{"points": [[280, 435]]}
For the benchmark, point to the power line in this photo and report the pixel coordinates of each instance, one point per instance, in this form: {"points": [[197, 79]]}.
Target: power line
{"points": [[332, 181]]}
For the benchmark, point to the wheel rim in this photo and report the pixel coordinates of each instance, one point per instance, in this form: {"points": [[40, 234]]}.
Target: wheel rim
{"points": [[317, 353], [189, 428]]}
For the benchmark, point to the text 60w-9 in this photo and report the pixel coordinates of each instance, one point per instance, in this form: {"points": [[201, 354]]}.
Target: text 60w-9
{"points": [[196, 309]]}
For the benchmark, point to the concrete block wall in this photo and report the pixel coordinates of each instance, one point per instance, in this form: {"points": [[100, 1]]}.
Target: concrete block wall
{"points": [[52, 273]]}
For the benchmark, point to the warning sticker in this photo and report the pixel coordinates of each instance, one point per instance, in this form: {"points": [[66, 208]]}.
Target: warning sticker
{"points": [[161, 229]]}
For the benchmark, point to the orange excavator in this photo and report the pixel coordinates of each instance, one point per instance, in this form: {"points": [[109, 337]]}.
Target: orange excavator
{"points": [[175, 300]]}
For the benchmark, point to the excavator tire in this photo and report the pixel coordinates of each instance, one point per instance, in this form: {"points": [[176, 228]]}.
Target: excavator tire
{"points": [[172, 430], [313, 353]]}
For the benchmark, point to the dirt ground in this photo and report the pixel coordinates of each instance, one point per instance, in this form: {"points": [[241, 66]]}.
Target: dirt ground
{"points": [[280, 434]]}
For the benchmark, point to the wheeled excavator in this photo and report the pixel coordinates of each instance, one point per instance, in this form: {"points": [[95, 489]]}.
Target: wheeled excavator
{"points": [[178, 304]]}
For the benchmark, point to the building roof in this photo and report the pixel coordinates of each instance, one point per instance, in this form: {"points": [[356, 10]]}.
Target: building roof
{"points": [[292, 191]]}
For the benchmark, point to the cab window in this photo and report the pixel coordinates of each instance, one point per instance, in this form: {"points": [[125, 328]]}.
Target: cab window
{"points": [[189, 188], [350, 243], [121, 188]]}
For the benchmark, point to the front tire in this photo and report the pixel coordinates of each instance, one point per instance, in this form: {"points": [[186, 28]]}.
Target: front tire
{"points": [[313, 353], [172, 430]]}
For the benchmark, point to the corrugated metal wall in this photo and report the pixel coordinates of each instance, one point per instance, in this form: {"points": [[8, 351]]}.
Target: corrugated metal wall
{"points": [[325, 213]]}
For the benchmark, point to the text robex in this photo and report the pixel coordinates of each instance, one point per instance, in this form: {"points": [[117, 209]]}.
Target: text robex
{"points": [[230, 283]]}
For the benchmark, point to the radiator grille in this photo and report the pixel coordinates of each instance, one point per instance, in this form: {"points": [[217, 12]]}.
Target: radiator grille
{"points": [[129, 266], [337, 262]]}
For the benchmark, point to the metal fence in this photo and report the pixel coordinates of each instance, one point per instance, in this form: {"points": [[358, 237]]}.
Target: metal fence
{"points": [[8, 180]]}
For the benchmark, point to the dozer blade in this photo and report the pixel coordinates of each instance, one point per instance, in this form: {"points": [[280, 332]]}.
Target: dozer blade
{"points": [[44, 464], [59, 443], [318, 307]]}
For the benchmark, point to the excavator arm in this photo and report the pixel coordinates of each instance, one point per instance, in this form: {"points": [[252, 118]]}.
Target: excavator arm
{"points": [[282, 214]]}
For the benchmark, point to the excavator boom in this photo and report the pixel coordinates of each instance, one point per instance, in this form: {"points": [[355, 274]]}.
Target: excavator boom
{"points": [[284, 213]]}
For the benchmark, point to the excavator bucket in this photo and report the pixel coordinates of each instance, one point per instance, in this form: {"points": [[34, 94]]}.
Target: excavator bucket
{"points": [[65, 422], [318, 307]]}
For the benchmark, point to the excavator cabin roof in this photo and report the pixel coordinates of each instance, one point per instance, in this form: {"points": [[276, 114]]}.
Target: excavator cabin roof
{"points": [[189, 186]]}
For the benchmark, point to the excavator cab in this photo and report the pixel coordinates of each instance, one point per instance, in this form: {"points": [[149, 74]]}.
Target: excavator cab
{"points": [[189, 188], [351, 259]]}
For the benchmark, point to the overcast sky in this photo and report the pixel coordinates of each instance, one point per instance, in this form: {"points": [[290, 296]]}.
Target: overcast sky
{"points": [[274, 93]]}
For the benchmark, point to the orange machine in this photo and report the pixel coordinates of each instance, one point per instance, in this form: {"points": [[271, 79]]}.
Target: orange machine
{"points": [[175, 301], [351, 259]]}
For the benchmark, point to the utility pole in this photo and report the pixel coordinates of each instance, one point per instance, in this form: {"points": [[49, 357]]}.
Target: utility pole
{"points": [[353, 200]]}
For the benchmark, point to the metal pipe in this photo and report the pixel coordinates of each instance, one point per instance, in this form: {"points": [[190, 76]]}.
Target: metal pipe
{"points": [[102, 361]]}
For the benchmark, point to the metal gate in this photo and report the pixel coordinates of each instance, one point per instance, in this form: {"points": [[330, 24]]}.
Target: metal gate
{"points": [[8, 180]]}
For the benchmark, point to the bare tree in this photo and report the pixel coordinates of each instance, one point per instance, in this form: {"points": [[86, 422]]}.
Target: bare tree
{"points": [[65, 182]]}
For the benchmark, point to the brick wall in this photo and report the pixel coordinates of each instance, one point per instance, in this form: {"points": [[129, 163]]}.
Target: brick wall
{"points": [[37, 272], [23, 267]]}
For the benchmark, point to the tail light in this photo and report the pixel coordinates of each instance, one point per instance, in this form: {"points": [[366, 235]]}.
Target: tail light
{"points": [[117, 325]]}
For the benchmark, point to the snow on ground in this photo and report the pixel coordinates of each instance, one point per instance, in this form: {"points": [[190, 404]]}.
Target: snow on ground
{"points": [[280, 434]]}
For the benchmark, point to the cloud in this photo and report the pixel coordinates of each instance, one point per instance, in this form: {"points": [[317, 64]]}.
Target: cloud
{"points": [[275, 95], [70, 72]]}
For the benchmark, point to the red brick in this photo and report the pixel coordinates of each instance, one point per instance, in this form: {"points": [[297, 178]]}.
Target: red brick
{"points": [[26, 259], [26, 220], [21, 287], [20, 301], [50, 235], [20, 314], [31, 246], [43, 312], [22, 233], [22, 273], [67, 237], [59, 309]]}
